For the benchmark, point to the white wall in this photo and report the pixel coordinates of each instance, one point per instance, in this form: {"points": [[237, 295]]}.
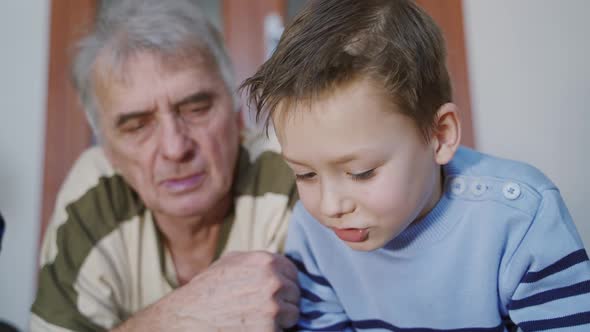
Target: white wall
{"points": [[529, 63], [23, 77]]}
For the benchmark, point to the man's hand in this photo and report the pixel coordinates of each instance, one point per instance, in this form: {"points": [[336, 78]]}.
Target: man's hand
{"points": [[251, 291]]}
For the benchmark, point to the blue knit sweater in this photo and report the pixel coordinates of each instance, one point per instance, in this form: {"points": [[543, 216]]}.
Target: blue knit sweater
{"points": [[499, 250]]}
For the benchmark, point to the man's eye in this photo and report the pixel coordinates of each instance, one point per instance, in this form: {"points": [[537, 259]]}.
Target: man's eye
{"points": [[194, 109], [363, 176], [305, 176], [134, 125]]}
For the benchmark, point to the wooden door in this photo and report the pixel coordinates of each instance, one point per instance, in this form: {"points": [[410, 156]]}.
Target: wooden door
{"points": [[448, 14], [67, 133]]}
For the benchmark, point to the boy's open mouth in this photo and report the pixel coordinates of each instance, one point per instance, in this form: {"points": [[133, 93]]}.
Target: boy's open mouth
{"points": [[351, 234]]}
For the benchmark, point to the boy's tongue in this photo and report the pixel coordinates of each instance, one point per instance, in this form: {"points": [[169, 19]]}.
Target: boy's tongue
{"points": [[351, 234]]}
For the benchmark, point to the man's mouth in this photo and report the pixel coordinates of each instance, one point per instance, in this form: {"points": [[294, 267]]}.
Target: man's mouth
{"points": [[352, 234], [185, 183]]}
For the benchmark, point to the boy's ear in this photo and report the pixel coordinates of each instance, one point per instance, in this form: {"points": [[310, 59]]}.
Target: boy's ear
{"points": [[446, 136]]}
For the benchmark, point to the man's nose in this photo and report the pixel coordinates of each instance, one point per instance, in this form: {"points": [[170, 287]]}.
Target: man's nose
{"points": [[334, 204], [175, 141]]}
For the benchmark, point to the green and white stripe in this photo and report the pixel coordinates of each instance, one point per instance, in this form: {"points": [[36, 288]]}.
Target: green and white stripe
{"points": [[102, 259]]}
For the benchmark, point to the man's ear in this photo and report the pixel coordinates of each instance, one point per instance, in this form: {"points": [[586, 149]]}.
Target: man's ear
{"points": [[108, 152], [239, 118], [446, 135]]}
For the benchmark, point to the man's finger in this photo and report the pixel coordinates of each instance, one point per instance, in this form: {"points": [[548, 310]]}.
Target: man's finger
{"points": [[286, 267], [288, 316], [289, 292]]}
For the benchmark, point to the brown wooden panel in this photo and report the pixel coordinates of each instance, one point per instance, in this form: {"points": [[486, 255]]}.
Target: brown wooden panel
{"points": [[243, 29], [449, 16], [66, 133]]}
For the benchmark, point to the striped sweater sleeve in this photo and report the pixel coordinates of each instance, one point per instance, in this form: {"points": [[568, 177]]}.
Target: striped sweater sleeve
{"points": [[319, 307], [548, 276]]}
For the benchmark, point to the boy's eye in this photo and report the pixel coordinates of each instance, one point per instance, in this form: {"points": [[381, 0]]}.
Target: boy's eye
{"points": [[364, 175], [304, 176]]}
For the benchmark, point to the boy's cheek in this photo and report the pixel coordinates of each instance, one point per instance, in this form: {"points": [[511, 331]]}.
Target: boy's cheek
{"points": [[310, 200]]}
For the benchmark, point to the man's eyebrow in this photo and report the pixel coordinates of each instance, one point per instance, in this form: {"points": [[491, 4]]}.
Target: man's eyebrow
{"points": [[123, 118], [194, 98]]}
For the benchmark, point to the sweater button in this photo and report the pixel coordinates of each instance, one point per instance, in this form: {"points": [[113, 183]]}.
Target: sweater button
{"points": [[478, 188], [458, 186], [511, 191]]}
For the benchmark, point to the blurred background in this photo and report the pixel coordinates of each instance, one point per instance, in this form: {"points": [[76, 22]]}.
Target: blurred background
{"points": [[519, 68]]}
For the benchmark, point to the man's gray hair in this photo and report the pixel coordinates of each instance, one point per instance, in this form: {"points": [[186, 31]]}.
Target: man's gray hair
{"points": [[171, 29]]}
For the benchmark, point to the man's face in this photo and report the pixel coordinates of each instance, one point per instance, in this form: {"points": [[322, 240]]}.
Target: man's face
{"points": [[362, 167], [171, 132]]}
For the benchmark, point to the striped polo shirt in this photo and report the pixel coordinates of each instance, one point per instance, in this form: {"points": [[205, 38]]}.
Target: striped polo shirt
{"points": [[102, 257]]}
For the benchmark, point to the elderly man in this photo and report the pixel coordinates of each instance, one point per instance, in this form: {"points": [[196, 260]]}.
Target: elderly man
{"points": [[143, 222]]}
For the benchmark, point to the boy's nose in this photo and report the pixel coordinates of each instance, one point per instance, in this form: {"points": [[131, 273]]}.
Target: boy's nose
{"points": [[334, 205]]}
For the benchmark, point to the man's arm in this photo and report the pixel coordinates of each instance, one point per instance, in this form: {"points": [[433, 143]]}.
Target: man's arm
{"points": [[253, 291]]}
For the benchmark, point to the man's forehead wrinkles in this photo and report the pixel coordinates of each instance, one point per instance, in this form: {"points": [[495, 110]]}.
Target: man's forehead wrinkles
{"points": [[124, 99]]}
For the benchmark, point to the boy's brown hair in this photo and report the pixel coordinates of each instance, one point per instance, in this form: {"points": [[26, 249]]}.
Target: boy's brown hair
{"points": [[332, 42]]}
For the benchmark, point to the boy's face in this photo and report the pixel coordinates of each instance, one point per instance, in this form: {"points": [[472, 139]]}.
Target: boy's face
{"points": [[362, 168]]}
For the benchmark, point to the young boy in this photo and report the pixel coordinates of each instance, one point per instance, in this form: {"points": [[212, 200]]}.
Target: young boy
{"points": [[399, 228]]}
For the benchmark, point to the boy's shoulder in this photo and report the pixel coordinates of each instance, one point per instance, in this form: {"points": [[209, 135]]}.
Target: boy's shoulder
{"points": [[468, 162], [480, 176]]}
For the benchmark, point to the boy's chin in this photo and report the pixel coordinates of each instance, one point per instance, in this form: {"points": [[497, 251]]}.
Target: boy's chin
{"points": [[367, 245]]}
